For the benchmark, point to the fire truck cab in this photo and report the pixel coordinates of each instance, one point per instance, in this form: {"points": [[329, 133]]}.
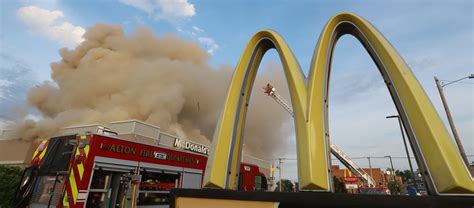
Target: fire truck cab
{"points": [[105, 170]]}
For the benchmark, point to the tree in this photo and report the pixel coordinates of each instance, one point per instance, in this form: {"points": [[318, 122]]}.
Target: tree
{"points": [[339, 186], [286, 187], [10, 177], [392, 186], [405, 174]]}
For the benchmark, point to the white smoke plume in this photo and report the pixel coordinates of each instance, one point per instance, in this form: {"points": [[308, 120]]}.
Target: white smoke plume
{"points": [[165, 81]]}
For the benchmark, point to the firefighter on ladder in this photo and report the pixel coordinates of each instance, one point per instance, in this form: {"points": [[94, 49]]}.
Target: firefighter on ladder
{"points": [[269, 89]]}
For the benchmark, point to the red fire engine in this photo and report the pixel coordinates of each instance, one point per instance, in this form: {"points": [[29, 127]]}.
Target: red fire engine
{"points": [[104, 170]]}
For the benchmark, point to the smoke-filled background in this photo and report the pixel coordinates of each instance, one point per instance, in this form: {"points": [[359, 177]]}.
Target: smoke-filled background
{"points": [[165, 81]]}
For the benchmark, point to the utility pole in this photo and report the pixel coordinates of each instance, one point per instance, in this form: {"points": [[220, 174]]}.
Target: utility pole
{"points": [[370, 166], [450, 119], [279, 173], [406, 149], [391, 165], [393, 172]]}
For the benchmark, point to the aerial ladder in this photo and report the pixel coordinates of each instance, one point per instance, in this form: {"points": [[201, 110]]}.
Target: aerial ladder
{"points": [[335, 150]]}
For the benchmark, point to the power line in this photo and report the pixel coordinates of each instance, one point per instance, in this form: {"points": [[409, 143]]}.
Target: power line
{"points": [[358, 158]]}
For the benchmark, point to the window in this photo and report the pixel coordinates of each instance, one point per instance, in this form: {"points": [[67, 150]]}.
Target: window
{"points": [[258, 183], [43, 192]]}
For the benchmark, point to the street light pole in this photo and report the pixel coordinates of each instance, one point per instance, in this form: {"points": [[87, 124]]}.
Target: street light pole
{"points": [[279, 172], [406, 149], [393, 172], [450, 119]]}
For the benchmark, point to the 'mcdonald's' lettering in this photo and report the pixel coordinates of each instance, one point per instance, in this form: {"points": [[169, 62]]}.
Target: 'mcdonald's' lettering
{"points": [[438, 158], [183, 144]]}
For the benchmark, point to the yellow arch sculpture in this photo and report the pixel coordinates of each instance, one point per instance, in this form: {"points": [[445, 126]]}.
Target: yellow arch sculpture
{"points": [[441, 164]]}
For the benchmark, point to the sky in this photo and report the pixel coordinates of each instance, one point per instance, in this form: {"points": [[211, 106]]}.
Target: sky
{"points": [[435, 38]]}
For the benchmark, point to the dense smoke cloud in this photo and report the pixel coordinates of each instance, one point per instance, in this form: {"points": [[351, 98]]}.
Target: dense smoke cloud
{"points": [[165, 81]]}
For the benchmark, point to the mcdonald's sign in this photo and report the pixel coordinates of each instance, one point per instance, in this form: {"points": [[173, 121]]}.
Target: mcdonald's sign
{"points": [[438, 158]]}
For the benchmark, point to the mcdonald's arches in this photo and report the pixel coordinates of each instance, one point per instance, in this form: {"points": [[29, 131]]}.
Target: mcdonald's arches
{"points": [[437, 156]]}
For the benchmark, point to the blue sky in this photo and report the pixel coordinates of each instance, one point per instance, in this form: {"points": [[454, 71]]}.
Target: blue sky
{"points": [[434, 37]]}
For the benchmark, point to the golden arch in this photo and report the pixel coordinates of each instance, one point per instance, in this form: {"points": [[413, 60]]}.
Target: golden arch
{"points": [[436, 154]]}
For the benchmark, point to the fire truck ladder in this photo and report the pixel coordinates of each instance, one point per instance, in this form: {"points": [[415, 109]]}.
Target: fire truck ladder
{"points": [[335, 150], [346, 160]]}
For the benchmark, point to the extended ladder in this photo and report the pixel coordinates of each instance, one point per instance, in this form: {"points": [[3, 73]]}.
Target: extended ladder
{"points": [[346, 160]]}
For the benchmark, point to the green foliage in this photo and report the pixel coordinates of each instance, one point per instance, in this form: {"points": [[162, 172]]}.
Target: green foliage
{"points": [[392, 186], [286, 187], [10, 177], [339, 186], [405, 174]]}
